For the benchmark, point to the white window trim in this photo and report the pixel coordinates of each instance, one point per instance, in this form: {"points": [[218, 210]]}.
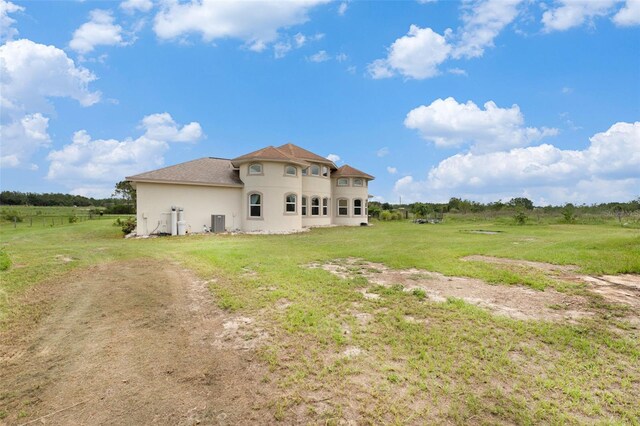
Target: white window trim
{"points": [[319, 206], [326, 209], [338, 182], [295, 174], [358, 179], [338, 207], [295, 203], [311, 170], [354, 207], [255, 174], [304, 210], [249, 217]]}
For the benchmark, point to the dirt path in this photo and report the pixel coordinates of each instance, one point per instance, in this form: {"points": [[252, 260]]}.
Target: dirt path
{"points": [[132, 343]]}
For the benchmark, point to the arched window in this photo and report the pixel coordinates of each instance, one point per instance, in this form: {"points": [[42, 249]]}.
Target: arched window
{"points": [[290, 203], [325, 171], [315, 170], [315, 206], [325, 206], [255, 205], [305, 171], [255, 169], [290, 170], [357, 182], [304, 206], [357, 207], [343, 207], [343, 182]]}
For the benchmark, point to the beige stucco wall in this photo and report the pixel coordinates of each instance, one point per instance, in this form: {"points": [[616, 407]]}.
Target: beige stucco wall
{"points": [[350, 193], [273, 184], [198, 202], [316, 186]]}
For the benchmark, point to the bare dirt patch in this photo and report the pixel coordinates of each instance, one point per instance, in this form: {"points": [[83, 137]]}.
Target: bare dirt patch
{"points": [[624, 289], [133, 343], [512, 301]]}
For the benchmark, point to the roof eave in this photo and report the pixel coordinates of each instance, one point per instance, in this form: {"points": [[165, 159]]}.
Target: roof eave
{"points": [[183, 182]]}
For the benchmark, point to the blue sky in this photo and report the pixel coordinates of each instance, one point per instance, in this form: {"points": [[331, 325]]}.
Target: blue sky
{"points": [[486, 99]]}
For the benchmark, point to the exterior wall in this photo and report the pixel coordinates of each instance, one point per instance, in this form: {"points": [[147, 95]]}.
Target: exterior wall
{"points": [[273, 185], [350, 193], [198, 202], [319, 186]]}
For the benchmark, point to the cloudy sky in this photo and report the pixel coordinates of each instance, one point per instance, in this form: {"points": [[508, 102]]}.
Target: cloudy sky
{"points": [[479, 99]]}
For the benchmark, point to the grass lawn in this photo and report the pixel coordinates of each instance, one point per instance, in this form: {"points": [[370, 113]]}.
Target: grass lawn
{"points": [[415, 360]]}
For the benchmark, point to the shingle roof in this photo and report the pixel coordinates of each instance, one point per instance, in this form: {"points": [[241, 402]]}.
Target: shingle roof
{"points": [[301, 153], [269, 153], [203, 171], [348, 171]]}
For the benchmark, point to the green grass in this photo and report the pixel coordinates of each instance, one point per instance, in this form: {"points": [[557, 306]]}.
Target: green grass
{"points": [[454, 362]]}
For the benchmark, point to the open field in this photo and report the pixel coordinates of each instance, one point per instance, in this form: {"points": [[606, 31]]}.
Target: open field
{"points": [[394, 323]]}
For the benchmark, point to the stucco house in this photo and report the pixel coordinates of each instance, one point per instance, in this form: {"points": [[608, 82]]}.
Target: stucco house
{"points": [[273, 189]]}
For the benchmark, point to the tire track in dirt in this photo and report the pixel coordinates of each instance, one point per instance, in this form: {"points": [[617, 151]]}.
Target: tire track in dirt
{"points": [[134, 342]]}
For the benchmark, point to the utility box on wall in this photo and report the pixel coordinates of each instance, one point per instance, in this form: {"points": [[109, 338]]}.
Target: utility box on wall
{"points": [[217, 223]]}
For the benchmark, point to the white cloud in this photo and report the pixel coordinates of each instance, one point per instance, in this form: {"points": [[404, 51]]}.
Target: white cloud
{"points": [[382, 152], [448, 123], [483, 21], [416, 55], [333, 157], [255, 23], [341, 57], [31, 74], [89, 165], [567, 90], [629, 15], [21, 138], [162, 127], [7, 32], [131, 6], [606, 170], [99, 30], [287, 44], [573, 13], [457, 71], [321, 56], [342, 9], [392, 170]]}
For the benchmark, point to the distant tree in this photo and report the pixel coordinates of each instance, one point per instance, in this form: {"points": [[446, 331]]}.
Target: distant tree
{"points": [[569, 213], [125, 191], [525, 203]]}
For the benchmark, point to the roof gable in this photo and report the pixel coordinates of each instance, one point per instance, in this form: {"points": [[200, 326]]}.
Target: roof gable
{"points": [[301, 153], [348, 171], [269, 153], [203, 171]]}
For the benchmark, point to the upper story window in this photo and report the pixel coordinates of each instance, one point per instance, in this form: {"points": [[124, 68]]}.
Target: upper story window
{"points": [[343, 207], [315, 206], [358, 182], [290, 205], [357, 207], [255, 169], [304, 206], [290, 170], [315, 170], [305, 171], [325, 171], [325, 206], [255, 205], [343, 182]]}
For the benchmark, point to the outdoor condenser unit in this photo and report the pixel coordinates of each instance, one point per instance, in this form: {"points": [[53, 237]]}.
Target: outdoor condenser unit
{"points": [[217, 223]]}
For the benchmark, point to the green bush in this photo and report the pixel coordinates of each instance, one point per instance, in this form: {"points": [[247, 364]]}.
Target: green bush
{"points": [[5, 262], [120, 209], [73, 219], [11, 214], [127, 225], [520, 218], [387, 215]]}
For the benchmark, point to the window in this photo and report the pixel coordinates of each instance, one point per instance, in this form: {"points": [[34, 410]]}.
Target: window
{"points": [[357, 182], [305, 171], [343, 207], [357, 207], [315, 170], [325, 206], [325, 171], [366, 208], [315, 206], [255, 169], [290, 205], [304, 206], [343, 182], [255, 205], [290, 170]]}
